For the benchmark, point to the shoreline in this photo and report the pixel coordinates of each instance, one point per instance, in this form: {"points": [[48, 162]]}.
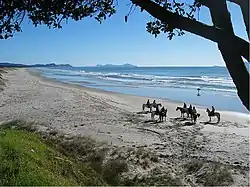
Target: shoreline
{"points": [[217, 89], [178, 103]]}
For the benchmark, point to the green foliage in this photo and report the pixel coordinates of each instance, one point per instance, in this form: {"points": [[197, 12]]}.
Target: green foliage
{"points": [[49, 12], [53, 12], [156, 26], [27, 160]]}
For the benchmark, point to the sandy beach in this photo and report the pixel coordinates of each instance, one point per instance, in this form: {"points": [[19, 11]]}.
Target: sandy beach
{"points": [[116, 119]]}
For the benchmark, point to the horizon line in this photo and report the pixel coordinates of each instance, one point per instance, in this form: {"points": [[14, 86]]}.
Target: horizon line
{"points": [[114, 64]]}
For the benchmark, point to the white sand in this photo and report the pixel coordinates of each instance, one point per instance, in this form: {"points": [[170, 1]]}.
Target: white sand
{"points": [[113, 118]]}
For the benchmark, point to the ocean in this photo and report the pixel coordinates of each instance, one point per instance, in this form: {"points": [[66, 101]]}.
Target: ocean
{"points": [[173, 83]]}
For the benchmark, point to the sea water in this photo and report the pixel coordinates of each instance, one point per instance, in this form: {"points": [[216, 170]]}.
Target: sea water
{"points": [[173, 83]]}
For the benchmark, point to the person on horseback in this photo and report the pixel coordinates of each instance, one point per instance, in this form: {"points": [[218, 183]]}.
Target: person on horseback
{"points": [[212, 111], [157, 111], [190, 110], [194, 110], [185, 105], [190, 107], [162, 109], [148, 103], [154, 102]]}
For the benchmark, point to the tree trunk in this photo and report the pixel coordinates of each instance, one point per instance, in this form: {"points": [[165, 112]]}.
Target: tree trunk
{"points": [[236, 67], [238, 72]]}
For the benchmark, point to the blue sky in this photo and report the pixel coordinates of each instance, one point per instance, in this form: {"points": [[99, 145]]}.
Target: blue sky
{"points": [[89, 43]]}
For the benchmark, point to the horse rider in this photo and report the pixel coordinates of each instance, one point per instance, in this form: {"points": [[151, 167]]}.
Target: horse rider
{"points": [[212, 111], [190, 107], [190, 110], [154, 102], [185, 105], [157, 111], [194, 110], [162, 109], [148, 103]]}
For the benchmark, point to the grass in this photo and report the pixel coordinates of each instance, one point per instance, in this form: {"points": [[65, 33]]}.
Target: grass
{"points": [[91, 152], [218, 176], [2, 80], [214, 174], [155, 178], [112, 171], [194, 166], [28, 159]]}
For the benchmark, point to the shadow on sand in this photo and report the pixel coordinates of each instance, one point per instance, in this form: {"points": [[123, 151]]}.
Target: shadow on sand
{"points": [[188, 123], [179, 119], [143, 112], [152, 121], [209, 122]]}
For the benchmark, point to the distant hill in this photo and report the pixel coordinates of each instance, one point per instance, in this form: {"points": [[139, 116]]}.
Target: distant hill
{"points": [[51, 65], [114, 66]]}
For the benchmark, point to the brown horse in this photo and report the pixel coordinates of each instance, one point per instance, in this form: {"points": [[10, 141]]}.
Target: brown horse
{"points": [[215, 114], [183, 111], [163, 113]]}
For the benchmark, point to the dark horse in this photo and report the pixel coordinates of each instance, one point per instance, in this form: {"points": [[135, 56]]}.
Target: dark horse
{"points": [[194, 116], [163, 113], [215, 114], [155, 105], [183, 111]]}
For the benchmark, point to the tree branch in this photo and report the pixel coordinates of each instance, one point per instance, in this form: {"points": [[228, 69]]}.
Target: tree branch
{"points": [[192, 26]]}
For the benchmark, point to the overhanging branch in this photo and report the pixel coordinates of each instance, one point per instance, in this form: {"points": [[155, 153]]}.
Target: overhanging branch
{"points": [[192, 26]]}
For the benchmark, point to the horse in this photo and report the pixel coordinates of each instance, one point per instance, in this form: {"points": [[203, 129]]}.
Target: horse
{"points": [[216, 114], [155, 105], [183, 111], [163, 113], [194, 116], [147, 106], [190, 111], [155, 113]]}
